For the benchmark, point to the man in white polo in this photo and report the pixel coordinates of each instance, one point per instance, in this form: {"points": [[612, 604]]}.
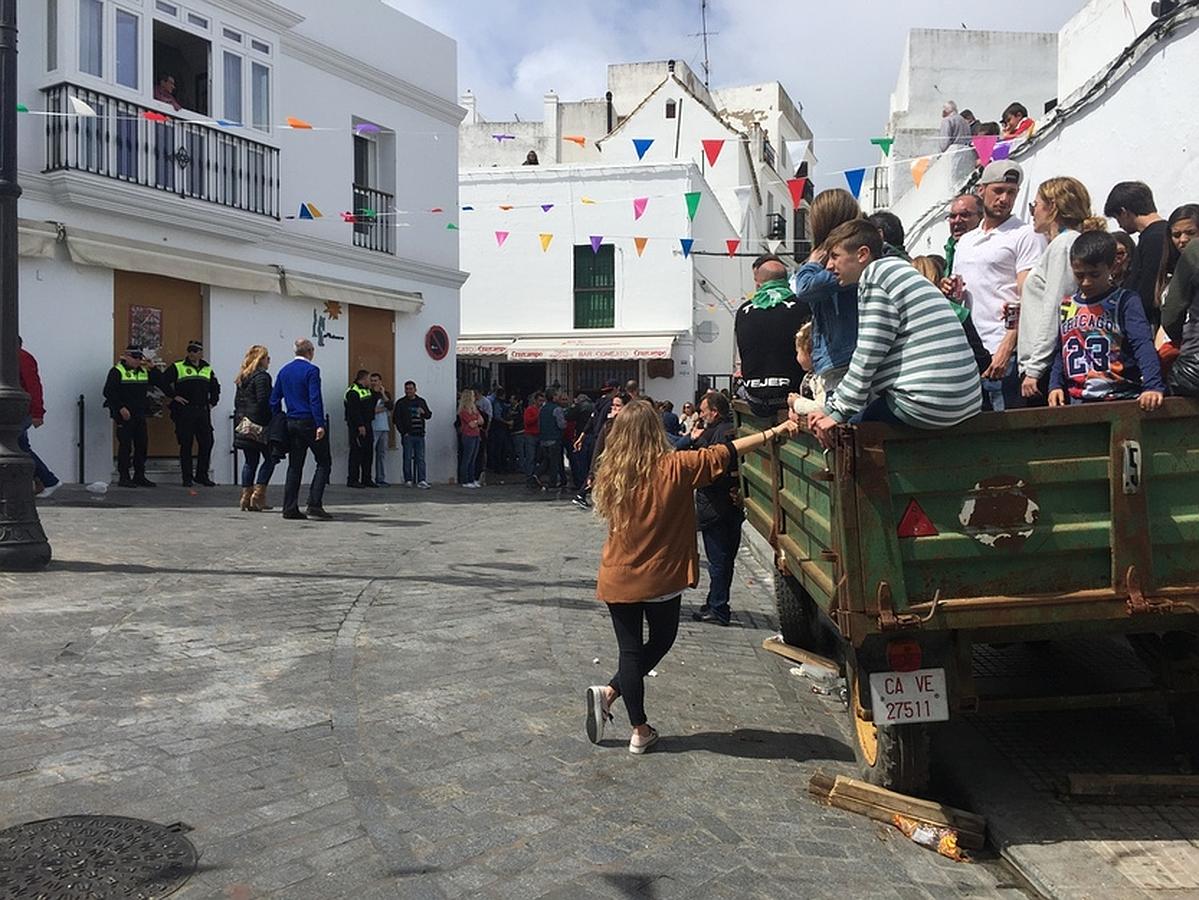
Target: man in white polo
{"points": [[993, 260]]}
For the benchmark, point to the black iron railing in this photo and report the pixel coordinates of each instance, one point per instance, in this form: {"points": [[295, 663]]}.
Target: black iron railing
{"points": [[191, 159], [374, 220]]}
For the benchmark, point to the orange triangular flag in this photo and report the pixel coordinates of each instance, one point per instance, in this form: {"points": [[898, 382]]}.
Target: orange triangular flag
{"points": [[919, 167], [575, 139], [293, 122], [640, 243], [505, 207], [545, 241]]}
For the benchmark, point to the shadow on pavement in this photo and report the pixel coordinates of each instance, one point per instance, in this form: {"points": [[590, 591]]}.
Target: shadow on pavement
{"points": [[755, 743]]}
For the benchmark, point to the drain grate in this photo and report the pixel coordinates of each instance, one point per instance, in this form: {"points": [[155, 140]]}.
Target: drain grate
{"points": [[94, 858]]}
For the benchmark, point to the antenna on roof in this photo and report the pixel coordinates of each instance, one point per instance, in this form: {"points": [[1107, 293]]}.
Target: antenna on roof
{"points": [[704, 33]]}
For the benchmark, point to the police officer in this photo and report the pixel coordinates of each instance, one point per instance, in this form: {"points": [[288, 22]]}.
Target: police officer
{"points": [[360, 416], [193, 390], [126, 393]]}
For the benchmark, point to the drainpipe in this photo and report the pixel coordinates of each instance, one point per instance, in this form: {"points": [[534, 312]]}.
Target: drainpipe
{"points": [[608, 97]]}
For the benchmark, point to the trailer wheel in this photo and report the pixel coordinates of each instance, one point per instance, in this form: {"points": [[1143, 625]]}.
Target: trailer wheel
{"points": [[895, 757], [797, 612]]}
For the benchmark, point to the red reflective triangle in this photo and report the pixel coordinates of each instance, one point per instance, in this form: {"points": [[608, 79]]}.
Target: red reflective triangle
{"points": [[915, 523]]}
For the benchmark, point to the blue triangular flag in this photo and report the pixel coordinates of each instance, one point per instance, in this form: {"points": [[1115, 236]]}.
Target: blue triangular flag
{"points": [[641, 145], [687, 244], [854, 178], [305, 212]]}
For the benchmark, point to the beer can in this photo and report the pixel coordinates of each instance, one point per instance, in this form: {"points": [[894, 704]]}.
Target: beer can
{"points": [[1011, 315], [959, 288]]}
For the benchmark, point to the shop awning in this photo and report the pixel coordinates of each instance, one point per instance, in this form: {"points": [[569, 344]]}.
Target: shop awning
{"points": [[36, 239], [607, 346], [111, 252], [473, 347], [298, 285]]}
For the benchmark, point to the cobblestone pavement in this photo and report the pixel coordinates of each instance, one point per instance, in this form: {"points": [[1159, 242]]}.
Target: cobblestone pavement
{"points": [[390, 706]]}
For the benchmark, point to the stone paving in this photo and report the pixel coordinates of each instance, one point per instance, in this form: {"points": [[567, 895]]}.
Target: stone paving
{"points": [[389, 705]]}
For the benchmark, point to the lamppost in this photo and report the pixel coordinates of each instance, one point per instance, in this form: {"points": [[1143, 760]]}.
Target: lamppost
{"points": [[23, 544]]}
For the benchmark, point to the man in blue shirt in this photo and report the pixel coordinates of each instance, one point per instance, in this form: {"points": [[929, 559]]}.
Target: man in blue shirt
{"points": [[298, 387]]}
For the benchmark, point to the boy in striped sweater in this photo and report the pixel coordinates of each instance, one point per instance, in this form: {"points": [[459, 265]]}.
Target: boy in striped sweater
{"points": [[912, 356]]}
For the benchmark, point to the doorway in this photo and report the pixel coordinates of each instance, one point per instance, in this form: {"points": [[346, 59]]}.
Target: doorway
{"points": [[160, 315], [372, 347]]}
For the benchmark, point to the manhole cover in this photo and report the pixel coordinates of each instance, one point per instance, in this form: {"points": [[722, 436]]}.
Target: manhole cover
{"points": [[94, 858]]}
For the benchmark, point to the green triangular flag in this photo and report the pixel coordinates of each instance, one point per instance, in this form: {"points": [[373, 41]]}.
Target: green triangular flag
{"points": [[884, 144], [692, 203], [21, 107], [451, 227]]}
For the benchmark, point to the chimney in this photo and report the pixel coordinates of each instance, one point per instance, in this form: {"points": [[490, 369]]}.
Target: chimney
{"points": [[552, 127]]}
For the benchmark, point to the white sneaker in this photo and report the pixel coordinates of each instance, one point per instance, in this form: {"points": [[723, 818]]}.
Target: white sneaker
{"points": [[409, 484], [48, 492], [598, 713], [640, 747], [424, 485]]}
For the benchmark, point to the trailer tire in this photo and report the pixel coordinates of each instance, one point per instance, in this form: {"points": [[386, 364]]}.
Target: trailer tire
{"points": [[896, 757], [797, 612]]}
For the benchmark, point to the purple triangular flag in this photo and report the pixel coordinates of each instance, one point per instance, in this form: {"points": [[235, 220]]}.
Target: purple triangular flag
{"points": [[546, 207], [596, 241], [1002, 151]]}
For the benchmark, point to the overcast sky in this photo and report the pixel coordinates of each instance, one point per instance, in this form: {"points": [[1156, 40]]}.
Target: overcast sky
{"points": [[839, 60]]}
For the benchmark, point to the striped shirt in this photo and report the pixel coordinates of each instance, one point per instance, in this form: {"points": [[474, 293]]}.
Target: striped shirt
{"points": [[911, 350]]}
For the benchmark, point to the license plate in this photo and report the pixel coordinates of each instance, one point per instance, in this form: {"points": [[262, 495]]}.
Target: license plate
{"points": [[900, 698]]}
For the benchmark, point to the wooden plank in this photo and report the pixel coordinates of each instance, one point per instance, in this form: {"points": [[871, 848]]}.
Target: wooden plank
{"points": [[795, 654], [1132, 788]]}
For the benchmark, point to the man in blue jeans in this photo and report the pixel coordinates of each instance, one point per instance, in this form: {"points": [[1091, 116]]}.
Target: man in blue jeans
{"points": [[298, 387], [411, 413]]}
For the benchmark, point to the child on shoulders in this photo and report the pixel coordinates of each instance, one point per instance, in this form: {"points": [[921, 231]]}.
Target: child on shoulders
{"points": [[1105, 344]]}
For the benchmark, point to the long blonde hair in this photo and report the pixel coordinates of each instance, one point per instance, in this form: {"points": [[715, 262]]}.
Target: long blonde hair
{"points": [[632, 451], [831, 208], [1072, 201], [255, 359], [466, 401]]}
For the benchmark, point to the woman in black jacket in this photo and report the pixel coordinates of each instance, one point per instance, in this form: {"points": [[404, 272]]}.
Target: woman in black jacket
{"points": [[252, 418]]}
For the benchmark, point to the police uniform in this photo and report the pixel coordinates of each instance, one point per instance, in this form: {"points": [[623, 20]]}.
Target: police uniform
{"points": [[360, 413], [198, 386], [128, 387]]}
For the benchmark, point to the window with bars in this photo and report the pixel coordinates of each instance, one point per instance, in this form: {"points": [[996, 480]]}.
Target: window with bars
{"points": [[595, 287]]}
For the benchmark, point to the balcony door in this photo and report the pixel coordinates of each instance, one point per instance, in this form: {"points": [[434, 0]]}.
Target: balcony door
{"points": [[160, 315]]}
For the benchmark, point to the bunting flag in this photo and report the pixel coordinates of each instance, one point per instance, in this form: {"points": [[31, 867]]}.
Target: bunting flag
{"points": [[775, 246], [854, 178], [309, 211], [366, 128], [797, 150], [500, 138], [686, 244], [505, 207], [692, 199], [1002, 151], [21, 107], [79, 108], [152, 116], [596, 241], [919, 167], [796, 186], [712, 150], [546, 207], [743, 195], [641, 145], [732, 244], [587, 201], [884, 144], [984, 146], [545, 241], [225, 123], [349, 218], [639, 243], [468, 209], [500, 237], [575, 139], [450, 226], [298, 124], [438, 209], [639, 205]]}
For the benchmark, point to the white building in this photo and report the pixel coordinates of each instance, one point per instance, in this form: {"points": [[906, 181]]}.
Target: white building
{"points": [[189, 223], [573, 316], [1116, 119]]}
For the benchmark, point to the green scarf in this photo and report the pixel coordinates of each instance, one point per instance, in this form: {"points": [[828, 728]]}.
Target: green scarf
{"points": [[771, 293]]}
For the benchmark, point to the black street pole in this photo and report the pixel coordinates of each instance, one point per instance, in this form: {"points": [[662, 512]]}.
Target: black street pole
{"points": [[23, 544]]}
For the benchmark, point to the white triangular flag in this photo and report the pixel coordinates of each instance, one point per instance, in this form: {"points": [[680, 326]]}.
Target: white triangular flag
{"points": [[79, 108], [775, 246], [796, 150]]}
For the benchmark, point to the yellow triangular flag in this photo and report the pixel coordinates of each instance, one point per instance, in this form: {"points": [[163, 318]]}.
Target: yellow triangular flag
{"points": [[545, 241], [316, 213], [587, 200], [919, 167], [639, 243]]}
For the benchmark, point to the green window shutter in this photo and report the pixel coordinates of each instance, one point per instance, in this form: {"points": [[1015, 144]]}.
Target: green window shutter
{"points": [[595, 287]]}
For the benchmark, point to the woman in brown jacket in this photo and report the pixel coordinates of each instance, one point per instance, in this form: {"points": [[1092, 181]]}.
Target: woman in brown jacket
{"points": [[646, 492]]}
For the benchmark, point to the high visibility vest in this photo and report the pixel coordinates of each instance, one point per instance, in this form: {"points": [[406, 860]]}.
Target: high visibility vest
{"points": [[132, 375], [185, 372], [363, 393]]}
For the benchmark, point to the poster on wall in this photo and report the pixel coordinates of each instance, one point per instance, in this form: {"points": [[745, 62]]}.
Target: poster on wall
{"points": [[145, 328]]}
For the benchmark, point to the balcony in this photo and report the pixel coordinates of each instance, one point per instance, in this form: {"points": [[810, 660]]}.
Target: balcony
{"points": [[190, 159], [374, 220], [776, 227]]}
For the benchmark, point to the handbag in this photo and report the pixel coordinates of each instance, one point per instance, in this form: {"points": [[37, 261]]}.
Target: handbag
{"points": [[250, 429]]}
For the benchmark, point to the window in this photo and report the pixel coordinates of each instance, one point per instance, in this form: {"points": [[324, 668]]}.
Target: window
{"points": [[168, 8], [261, 46], [671, 109], [51, 35], [233, 88], [128, 26], [231, 35], [91, 37], [197, 21], [595, 287], [260, 99]]}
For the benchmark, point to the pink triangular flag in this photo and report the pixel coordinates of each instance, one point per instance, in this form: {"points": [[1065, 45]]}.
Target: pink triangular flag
{"points": [[639, 205], [500, 237], [732, 244], [984, 146], [712, 150]]}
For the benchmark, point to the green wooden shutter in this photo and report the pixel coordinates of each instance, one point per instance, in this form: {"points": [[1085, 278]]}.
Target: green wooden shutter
{"points": [[595, 287]]}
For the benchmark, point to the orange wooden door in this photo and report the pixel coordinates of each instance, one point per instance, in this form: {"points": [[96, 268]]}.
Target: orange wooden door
{"points": [[372, 346], [160, 315]]}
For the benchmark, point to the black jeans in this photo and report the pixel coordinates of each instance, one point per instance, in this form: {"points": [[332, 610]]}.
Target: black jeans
{"points": [[301, 437], [194, 426], [132, 440], [362, 454], [638, 656]]}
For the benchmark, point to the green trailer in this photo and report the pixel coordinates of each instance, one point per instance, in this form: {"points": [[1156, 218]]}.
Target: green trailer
{"points": [[1031, 525]]}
